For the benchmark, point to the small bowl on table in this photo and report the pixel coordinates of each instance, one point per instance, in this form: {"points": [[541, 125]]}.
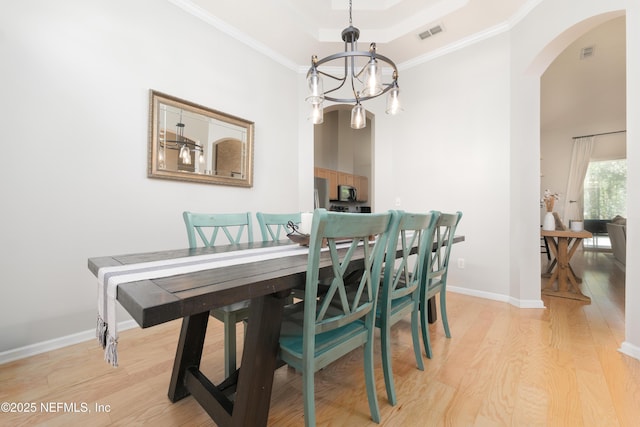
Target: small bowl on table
{"points": [[301, 239]]}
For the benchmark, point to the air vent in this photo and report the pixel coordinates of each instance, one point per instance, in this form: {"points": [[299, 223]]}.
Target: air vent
{"points": [[431, 32], [587, 52]]}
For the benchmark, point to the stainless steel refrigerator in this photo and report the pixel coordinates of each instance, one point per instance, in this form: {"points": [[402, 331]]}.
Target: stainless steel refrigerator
{"points": [[321, 193]]}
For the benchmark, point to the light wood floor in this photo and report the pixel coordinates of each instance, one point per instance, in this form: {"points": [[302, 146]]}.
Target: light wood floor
{"points": [[504, 366]]}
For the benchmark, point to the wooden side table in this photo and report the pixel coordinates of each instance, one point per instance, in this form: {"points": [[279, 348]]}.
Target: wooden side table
{"points": [[563, 245]]}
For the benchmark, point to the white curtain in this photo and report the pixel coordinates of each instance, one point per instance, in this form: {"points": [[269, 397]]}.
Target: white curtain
{"points": [[573, 200]]}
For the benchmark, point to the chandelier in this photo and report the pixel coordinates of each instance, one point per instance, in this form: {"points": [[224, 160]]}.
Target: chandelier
{"points": [[365, 79], [182, 143]]}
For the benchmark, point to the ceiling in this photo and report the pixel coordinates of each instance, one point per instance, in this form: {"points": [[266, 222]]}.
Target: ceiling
{"points": [[291, 31]]}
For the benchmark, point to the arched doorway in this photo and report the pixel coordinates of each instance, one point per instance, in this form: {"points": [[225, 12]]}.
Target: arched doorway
{"points": [[583, 92], [339, 148]]}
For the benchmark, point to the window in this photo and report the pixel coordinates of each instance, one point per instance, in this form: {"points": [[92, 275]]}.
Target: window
{"points": [[605, 189], [605, 196]]}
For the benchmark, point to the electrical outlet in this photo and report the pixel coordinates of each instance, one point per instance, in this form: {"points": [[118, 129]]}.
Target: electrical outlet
{"points": [[398, 202], [460, 262]]}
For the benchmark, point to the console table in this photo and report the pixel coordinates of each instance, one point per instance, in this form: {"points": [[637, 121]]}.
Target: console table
{"points": [[563, 245]]}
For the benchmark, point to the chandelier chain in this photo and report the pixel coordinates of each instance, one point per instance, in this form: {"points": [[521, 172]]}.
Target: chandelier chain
{"points": [[350, 20]]}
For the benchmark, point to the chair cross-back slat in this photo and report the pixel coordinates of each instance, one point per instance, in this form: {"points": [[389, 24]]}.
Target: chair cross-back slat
{"points": [[406, 280], [349, 303], [444, 233], [273, 226], [207, 227]]}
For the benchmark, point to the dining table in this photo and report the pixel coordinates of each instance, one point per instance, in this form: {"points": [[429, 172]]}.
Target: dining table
{"points": [[562, 281], [264, 273]]}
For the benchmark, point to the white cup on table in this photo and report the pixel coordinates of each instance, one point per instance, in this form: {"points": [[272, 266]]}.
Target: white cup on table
{"points": [[306, 221]]}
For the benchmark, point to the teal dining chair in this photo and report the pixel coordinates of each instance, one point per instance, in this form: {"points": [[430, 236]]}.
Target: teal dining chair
{"points": [[316, 331], [274, 226], [400, 289], [225, 228], [435, 274]]}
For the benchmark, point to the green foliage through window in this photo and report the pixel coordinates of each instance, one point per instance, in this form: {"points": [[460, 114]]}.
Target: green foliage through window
{"points": [[605, 189]]}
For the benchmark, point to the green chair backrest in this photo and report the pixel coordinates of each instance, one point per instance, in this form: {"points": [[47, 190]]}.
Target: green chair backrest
{"points": [[208, 225], [320, 315], [271, 225], [402, 275], [437, 265]]}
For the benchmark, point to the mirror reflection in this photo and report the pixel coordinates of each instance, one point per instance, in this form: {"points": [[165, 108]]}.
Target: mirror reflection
{"points": [[194, 143]]}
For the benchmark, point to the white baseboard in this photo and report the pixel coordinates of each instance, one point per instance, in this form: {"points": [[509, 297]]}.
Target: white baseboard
{"points": [[56, 343], [526, 303], [630, 350], [497, 297]]}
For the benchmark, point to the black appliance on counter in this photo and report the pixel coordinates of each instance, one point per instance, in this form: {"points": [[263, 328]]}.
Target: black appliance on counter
{"points": [[350, 208]]}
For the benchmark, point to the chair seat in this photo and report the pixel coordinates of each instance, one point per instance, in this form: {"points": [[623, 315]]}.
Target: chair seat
{"points": [[351, 335]]}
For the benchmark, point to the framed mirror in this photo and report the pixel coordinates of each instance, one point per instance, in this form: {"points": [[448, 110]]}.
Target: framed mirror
{"points": [[189, 142]]}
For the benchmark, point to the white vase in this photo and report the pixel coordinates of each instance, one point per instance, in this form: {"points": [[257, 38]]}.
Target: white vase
{"points": [[549, 223]]}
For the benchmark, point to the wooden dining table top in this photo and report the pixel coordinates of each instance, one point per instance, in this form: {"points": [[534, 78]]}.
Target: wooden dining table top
{"points": [[155, 301]]}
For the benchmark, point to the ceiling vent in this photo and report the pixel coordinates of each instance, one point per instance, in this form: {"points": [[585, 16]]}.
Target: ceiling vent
{"points": [[431, 32], [587, 52]]}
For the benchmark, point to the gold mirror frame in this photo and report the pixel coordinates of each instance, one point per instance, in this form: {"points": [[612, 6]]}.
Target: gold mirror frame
{"points": [[208, 135]]}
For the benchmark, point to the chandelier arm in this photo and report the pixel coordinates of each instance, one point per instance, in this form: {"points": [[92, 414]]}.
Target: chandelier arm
{"points": [[335, 88], [356, 95], [342, 79], [176, 145], [361, 99]]}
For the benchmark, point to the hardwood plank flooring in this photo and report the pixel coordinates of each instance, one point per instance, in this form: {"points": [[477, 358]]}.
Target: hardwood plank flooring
{"points": [[503, 366]]}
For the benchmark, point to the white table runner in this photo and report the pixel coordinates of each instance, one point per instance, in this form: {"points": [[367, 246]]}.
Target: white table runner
{"points": [[110, 277]]}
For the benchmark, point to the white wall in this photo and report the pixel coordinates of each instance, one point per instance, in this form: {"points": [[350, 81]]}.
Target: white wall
{"points": [[75, 84], [450, 151]]}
